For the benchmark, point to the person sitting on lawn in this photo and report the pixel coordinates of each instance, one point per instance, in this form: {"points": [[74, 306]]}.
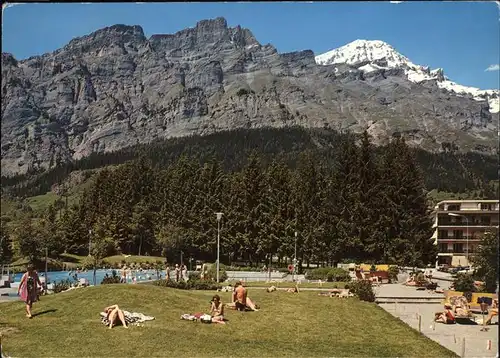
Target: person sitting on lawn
{"points": [[217, 310], [240, 300], [112, 312], [446, 317]]}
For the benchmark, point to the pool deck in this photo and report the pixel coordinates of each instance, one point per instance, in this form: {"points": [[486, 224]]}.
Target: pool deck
{"points": [[449, 336]]}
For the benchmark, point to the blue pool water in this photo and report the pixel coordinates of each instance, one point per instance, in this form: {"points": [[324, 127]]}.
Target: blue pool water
{"points": [[58, 276]]}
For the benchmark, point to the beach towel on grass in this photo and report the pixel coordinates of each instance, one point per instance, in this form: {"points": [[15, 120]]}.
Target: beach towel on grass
{"points": [[130, 318]]}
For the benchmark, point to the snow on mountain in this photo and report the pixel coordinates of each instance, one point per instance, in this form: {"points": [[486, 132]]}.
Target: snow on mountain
{"points": [[374, 55]]}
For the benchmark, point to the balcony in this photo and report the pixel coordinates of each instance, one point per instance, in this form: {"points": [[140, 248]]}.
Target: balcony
{"points": [[452, 251], [458, 239], [469, 211], [464, 225]]}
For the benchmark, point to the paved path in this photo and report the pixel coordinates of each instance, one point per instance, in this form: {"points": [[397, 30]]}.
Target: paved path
{"points": [[449, 336], [7, 298], [399, 290]]}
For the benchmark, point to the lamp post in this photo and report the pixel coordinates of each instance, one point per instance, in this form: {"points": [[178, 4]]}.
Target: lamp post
{"points": [[466, 235], [90, 238], [295, 256], [219, 217], [46, 276]]}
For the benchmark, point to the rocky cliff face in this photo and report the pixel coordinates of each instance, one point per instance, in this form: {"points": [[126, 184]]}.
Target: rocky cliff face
{"points": [[115, 88]]}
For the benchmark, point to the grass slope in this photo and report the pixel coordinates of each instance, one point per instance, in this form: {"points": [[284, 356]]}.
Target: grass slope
{"points": [[288, 325]]}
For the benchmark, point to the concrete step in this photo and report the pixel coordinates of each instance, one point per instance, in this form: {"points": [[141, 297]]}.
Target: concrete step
{"points": [[432, 300]]}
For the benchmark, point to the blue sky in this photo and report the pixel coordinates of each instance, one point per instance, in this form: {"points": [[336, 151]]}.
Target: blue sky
{"points": [[461, 37]]}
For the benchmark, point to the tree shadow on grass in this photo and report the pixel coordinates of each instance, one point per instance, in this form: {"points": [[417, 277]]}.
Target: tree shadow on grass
{"points": [[43, 312]]}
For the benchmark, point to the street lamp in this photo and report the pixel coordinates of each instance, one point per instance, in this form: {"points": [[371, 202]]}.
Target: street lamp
{"points": [[295, 256], [219, 217], [90, 238], [466, 235]]}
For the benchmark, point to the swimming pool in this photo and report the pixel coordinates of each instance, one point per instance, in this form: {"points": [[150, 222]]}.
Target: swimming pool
{"points": [[58, 276]]}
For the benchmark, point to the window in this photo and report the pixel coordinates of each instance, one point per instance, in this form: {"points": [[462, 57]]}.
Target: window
{"points": [[458, 248], [458, 234], [454, 207], [485, 220], [442, 234], [443, 247], [485, 206]]}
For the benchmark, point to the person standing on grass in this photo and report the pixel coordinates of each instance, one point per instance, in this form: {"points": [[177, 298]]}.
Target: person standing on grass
{"points": [[124, 274], [167, 272], [184, 273], [28, 288], [177, 273]]}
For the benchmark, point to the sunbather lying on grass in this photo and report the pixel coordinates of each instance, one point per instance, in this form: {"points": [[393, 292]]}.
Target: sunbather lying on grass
{"points": [[112, 313]]}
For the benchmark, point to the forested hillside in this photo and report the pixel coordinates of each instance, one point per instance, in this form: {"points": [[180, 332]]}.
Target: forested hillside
{"points": [[361, 207], [446, 171], [347, 199]]}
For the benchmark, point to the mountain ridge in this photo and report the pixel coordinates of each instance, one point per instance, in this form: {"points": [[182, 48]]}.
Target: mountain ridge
{"points": [[372, 55], [114, 88]]}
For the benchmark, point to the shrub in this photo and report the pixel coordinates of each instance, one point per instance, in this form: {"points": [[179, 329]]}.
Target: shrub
{"points": [[195, 276], [114, 278], [393, 273], [62, 285], [212, 273], [189, 285], [363, 290], [328, 274], [318, 273], [464, 283], [338, 275]]}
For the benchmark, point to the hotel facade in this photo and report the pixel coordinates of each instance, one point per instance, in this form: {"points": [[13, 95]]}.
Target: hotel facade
{"points": [[459, 226]]}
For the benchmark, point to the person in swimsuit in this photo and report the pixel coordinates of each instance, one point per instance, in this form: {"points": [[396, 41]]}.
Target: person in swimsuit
{"points": [[240, 301], [124, 274], [28, 289], [493, 311], [446, 317], [112, 313], [167, 273], [217, 310], [177, 272]]}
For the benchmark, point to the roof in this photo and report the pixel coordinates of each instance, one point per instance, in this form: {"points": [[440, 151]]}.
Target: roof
{"points": [[467, 201]]}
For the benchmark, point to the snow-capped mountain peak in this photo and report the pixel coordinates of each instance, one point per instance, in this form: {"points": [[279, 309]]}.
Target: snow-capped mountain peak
{"points": [[364, 50], [373, 55]]}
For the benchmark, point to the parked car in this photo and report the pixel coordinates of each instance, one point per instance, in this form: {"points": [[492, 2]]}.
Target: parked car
{"points": [[444, 268]]}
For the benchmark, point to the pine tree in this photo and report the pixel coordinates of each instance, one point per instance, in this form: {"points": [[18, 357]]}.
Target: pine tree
{"points": [[366, 205], [408, 240], [277, 220], [346, 243]]}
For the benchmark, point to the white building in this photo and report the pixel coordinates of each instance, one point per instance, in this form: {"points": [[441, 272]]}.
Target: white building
{"points": [[458, 227]]}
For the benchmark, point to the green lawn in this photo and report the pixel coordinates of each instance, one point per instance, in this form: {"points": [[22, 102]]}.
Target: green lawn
{"points": [[40, 203], [326, 285], [303, 324], [133, 258]]}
